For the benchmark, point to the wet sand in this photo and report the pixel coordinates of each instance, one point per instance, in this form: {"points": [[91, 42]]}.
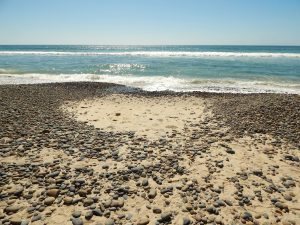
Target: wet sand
{"points": [[91, 153]]}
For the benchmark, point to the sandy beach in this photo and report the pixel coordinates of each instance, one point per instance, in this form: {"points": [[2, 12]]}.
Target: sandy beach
{"points": [[98, 153]]}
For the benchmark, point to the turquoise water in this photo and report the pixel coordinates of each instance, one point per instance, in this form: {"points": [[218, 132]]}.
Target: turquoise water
{"points": [[245, 69]]}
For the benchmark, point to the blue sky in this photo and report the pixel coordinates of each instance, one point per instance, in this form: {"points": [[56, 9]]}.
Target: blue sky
{"points": [[263, 22]]}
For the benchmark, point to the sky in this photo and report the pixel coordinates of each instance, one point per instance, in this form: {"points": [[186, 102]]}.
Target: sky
{"points": [[130, 22]]}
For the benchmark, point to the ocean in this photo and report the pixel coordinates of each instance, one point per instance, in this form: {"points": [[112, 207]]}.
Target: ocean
{"points": [[233, 69]]}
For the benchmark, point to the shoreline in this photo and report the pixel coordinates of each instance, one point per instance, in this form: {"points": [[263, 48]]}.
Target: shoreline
{"points": [[161, 83], [170, 158]]}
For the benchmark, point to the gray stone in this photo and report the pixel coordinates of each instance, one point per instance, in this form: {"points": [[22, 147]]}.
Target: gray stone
{"points": [[186, 221], [88, 201], [89, 215], [36, 218], [247, 216], [76, 214], [152, 193], [97, 212], [165, 217], [145, 182], [25, 222], [12, 209], [109, 222], [77, 221], [49, 201]]}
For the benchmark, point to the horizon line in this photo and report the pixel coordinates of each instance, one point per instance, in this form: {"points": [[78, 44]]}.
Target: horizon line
{"points": [[278, 45]]}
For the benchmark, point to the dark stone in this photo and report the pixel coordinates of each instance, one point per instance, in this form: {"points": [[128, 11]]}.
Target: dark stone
{"points": [[165, 217], [36, 218], [89, 215]]}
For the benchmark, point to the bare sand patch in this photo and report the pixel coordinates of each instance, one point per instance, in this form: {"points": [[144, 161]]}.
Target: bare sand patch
{"points": [[149, 117]]}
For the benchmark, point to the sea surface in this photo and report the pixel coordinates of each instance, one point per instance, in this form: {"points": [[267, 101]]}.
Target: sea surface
{"points": [[235, 69]]}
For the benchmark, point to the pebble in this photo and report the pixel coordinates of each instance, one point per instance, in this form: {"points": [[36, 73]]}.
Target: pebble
{"points": [[152, 193], [165, 217], [143, 221], [49, 201], [247, 216], [68, 201], [36, 218], [88, 215], [12, 209], [156, 210], [76, 214], [186, 221], [77, 221], [53, 192], [109, 222], [88, 201]]}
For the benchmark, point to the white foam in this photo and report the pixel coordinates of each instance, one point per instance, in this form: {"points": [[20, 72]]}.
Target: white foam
{"points": [[158, 54], [160, 83]]}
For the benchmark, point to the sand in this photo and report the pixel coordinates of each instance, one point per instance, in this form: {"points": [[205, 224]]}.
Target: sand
{"points": [[155, 118], [92, 143], [149, 117]]}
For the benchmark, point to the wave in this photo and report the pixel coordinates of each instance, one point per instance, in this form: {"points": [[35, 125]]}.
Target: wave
{"points": [[158, 54], [160, 83]]}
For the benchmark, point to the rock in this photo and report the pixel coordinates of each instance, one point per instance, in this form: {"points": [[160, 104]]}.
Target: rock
{"points": [[97, 212], [12, 209], [54, 174], [77, 221], [24, 222], [76, 214], [152, 194], [88, 202], [156, 210], [165, 217], [291, 158], [36, 218], [17, 190], [117, 203], [15, 221], [228, 202], [258, 173], [30, 209], [53, 192], [220, 203], [186, 221], [211, 210], [281, 206], [89, 215], [229, 151], [109, 222], [49, 201], [145, 182], [247, 216], [202, 205], [288, 197], [143, 221], [105, 166], [82, 193], [68, 201], [289, 183]]}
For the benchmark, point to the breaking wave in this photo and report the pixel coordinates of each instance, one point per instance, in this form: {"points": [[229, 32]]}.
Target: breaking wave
{"points": [[161, 83], [158, 54]]}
